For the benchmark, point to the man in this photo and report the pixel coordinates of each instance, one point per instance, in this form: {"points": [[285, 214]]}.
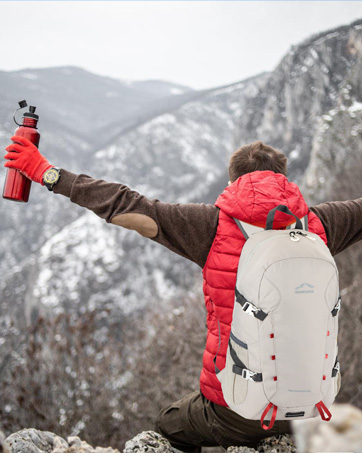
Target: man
{"points": [[207, 235]]}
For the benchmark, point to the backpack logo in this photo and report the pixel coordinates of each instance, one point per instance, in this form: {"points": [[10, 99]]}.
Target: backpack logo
{"points": [[304, 288]]}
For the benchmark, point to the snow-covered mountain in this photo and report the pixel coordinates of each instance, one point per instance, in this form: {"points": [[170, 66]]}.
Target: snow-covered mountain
{"points": [[55, 254]]}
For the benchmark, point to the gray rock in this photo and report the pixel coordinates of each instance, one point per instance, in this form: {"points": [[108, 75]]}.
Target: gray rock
{"points": [[148, 441], [241, 450], [275, 444], [34, 441]]}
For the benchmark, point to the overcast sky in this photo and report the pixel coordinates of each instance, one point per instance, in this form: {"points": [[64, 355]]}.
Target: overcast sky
{"points": [[200, 44]]}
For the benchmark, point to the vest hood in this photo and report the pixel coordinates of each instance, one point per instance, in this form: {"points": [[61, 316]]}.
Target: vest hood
{"points": [[253, 195]]}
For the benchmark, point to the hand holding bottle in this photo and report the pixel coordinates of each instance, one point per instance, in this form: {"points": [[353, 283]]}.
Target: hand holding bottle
{"points": [[25, 157]]}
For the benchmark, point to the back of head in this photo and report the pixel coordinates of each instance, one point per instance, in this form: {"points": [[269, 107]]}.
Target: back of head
{"points": [[256, 156]]}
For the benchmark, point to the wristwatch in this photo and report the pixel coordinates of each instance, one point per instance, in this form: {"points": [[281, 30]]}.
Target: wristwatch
{"points": [[51, 177]]}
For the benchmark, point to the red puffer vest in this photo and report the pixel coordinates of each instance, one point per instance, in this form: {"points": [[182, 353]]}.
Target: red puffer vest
{"points": [[249, 199]]}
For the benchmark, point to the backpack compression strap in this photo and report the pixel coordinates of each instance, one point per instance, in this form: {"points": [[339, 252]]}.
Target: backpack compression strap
{"points": [[248, 307], [240, 368]]}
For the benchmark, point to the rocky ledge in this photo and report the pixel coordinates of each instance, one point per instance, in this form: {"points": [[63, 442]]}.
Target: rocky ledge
{"points": [[34, 441], [342, 434]]}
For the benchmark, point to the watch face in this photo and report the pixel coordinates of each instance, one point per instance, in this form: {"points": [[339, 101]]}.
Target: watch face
{"points": [[51, 176]]}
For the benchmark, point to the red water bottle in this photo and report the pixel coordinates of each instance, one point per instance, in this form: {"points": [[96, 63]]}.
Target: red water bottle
{"points": [[17, 186]]}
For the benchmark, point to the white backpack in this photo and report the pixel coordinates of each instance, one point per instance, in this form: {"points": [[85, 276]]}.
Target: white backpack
{"points": [[282, 358]]}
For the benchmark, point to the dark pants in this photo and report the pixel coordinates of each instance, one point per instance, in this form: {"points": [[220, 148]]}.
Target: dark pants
{"points": [[196, 422]]}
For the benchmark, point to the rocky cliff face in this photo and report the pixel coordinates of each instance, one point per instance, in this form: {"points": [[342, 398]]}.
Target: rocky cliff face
{"points": [[337, 143]]}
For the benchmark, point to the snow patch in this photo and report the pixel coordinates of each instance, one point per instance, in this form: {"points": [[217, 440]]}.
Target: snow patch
{"points": [[356, 106], [176, 91], [314, 53], [294, 154], [29, 75], [228, 90]]}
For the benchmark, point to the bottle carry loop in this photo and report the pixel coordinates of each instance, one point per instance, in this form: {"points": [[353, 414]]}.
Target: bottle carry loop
{"points": [[272, 420]]}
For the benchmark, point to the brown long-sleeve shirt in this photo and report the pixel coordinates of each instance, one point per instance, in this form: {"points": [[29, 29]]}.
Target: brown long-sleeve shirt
{"points": [[189, 229]]}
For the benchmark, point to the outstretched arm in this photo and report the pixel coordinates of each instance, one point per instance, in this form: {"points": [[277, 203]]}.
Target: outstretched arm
{"points": [[342, 221], [186, 229]]}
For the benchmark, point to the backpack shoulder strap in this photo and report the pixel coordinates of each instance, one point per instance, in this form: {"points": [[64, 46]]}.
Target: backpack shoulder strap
{"points": [[247, 228]]}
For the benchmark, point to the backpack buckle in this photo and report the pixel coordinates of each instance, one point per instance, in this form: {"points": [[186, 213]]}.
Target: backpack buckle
{"points": [[250, 308], [247, 374]]}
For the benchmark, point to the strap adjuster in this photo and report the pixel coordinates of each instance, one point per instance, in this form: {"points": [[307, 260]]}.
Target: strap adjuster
{"points": [[250, 308], [248, 374]]}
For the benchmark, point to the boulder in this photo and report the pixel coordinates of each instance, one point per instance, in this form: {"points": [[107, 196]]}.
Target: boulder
{"points": [[35, 441]]}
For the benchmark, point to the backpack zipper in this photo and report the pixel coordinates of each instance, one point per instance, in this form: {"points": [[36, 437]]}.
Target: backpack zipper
{"points": [[294, 237]]}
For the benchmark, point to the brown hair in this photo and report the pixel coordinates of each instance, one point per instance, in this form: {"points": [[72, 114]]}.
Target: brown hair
{"points": [[256, 156]]}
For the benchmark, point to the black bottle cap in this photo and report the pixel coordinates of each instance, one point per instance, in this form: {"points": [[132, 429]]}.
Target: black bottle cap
{"points": [[31, 113]]}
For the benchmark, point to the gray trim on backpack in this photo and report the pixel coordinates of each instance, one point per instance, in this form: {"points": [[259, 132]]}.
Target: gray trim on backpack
{"points": [[247, 228], [237, 341]]}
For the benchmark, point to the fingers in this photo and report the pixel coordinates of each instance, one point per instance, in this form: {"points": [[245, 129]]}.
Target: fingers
{"points": [[10, 164], [15, 147], [12, 156], [22, 140]]}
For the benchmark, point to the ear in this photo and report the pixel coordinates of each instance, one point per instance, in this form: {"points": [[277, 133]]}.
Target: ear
{"points": [[229, 183]]}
